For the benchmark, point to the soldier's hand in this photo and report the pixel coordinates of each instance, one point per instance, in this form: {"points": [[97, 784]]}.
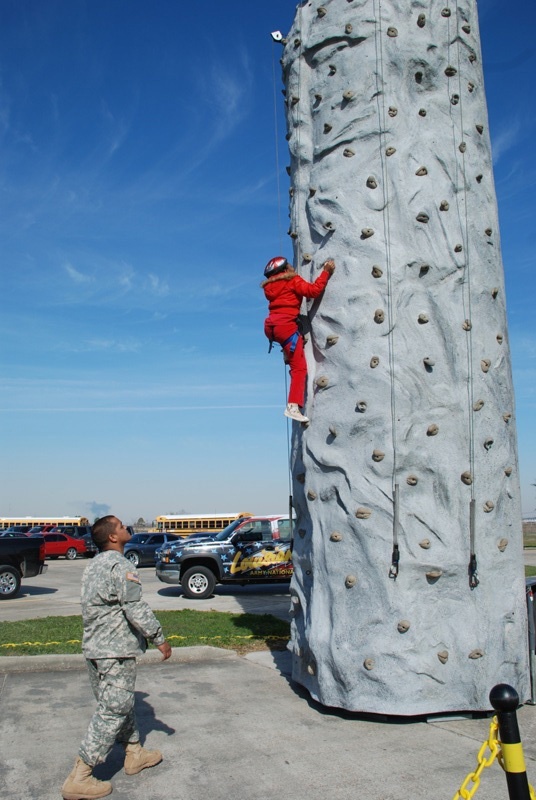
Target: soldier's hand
{"points": [[329, 266], [165, 649]]}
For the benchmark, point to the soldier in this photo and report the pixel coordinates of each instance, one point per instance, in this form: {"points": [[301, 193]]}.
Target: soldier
{"points": [[117, 623]]}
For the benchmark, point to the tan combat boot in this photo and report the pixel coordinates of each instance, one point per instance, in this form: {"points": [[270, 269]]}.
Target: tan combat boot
{"points": [[136, 758], [81, 785]]}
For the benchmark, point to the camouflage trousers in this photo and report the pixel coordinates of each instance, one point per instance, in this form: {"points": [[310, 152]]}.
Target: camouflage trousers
{"points": [[113, 681]]}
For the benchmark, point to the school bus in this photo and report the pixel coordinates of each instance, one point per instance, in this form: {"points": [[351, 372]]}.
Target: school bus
{"points": [[8, 522], [184, 524]]}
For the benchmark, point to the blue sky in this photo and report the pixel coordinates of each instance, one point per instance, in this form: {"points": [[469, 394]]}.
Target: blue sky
{"points": [[138, 205]]}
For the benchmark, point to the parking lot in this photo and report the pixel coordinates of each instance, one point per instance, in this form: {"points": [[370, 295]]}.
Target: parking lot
{"points": [[57, 593]]}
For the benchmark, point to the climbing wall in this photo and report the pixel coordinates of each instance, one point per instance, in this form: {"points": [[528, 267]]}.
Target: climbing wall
{"points": [[408, 595]]}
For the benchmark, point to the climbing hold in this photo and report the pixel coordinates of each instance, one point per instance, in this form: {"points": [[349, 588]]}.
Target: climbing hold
{"points": [[332, 69], [494, 292], [312, 191], [318, 98], [499, 338], [421, 171], [392, 111], [458, 248], [421, 20], [462, 147], [331, 340], [450, 72], [368, 663], [379, 316], [434, 574], [480, 128], [502, 545], [422, 217], [311, 495], [371, 182], [294, 100], [432, 430], [476, 654], [444, 205], [488, 506], [297, 42], [488, 231], [472, 57], [377, 272], [307, 257], [412, 480], [507, 417], [333, 430], [288, 169], [392, 32], [466, 28], [348, 95], [349, 28], [424, 270], [327, 127], [422, 112], [300, 477], [485, 364], [443, 656], [445, 12], [455, 99], [361, 406], [488, 443], [425, 544], [508, 471], [479, 178], [403, 626], [336, 536], [348, 152], [363, 513], [302, 532], [478, 405], [378, 455], [470, 87], [367, 232], [374, 361], [321, 11], [322, 382], [466, 325], [295, 600], [293, 234], [311, 668], [350, 581], [467, 478], [422, 319], [291, 191], [390, 151], [428, 362], [329, 226]]}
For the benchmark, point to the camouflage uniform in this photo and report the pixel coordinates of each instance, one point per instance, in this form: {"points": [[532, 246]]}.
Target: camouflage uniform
{"points": [[117, 623]]}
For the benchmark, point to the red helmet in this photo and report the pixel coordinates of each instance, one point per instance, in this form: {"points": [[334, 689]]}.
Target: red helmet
{"points": [[275, 265]]}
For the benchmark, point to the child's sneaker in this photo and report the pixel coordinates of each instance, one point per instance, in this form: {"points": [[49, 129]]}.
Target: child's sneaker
{"points": [[292, 410]]}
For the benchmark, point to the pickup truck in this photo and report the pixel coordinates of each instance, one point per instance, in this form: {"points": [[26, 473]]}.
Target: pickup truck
{"points": [[258, 551], [19, 558]]}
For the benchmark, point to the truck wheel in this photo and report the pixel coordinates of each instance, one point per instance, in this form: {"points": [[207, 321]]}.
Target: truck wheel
{"points": [[133, 557], [9, 582], [71, 553], [198, 583]]}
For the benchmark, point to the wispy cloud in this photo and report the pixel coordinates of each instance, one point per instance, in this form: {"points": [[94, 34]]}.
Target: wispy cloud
{"points": [[506, 139], [76, 275]]}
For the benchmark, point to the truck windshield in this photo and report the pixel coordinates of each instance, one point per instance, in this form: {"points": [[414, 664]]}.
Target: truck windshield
{"points": [[226, 532]]}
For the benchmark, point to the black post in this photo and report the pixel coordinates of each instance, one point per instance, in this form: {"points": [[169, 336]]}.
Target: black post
{"points": [[505, 701]]}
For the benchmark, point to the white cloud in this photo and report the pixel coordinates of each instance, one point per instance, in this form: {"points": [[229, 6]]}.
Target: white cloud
{"points": [[75, 275], [505, 140]]}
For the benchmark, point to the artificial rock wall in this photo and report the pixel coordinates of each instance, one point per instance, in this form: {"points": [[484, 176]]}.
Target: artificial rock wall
{"points": [[410, 393]]}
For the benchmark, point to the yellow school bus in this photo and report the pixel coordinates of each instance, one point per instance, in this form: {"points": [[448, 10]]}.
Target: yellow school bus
{"points": [[8, 522], [185, 524]]}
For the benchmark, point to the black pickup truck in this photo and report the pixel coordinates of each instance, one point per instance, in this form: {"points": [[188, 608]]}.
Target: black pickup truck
{"points": [[22, 557]]}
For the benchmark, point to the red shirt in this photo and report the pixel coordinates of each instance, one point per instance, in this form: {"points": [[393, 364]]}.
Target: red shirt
{"points": [[285, 292]]}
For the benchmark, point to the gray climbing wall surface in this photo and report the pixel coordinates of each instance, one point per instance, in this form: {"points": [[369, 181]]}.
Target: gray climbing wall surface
{"points": [[412, 438]]}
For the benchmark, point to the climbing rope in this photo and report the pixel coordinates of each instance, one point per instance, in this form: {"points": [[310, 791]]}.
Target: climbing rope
{"points": [[380, 101], [276, 137]]}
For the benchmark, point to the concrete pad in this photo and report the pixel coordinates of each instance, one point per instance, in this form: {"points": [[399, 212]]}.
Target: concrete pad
{"points": [[232, 726]]}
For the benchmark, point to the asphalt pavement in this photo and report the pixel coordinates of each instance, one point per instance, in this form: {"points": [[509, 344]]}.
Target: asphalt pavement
{"points": [[233, 726]]}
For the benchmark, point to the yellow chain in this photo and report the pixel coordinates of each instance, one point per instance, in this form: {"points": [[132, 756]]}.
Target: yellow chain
{"points": [[466, 791]]}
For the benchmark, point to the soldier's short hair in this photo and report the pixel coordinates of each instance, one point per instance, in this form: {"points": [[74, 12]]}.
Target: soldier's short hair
{"points": [[102, 529]]}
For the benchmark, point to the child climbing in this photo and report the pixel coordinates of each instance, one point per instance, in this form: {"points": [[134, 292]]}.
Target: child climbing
{"points": [[284, 290]]}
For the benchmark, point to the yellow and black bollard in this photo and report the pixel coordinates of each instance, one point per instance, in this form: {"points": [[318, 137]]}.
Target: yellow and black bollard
{"points": [[505, 701]]}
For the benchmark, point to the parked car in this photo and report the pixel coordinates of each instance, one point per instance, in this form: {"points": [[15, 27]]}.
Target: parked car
{"points": [[20, 557], [13, 535], [257, 551], [141, 548], [82, 532], [60, 544], [41, 529], [17, 529]]}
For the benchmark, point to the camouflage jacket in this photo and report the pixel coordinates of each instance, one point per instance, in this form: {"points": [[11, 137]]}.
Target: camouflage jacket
{"points": [[117, 621]]}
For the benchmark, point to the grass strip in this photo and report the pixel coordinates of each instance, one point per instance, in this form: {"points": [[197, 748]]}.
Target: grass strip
{"points": [[187, 628]]}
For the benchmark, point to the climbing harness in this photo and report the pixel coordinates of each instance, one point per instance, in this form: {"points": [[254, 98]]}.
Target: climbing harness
{"points": [[293, 340]]}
